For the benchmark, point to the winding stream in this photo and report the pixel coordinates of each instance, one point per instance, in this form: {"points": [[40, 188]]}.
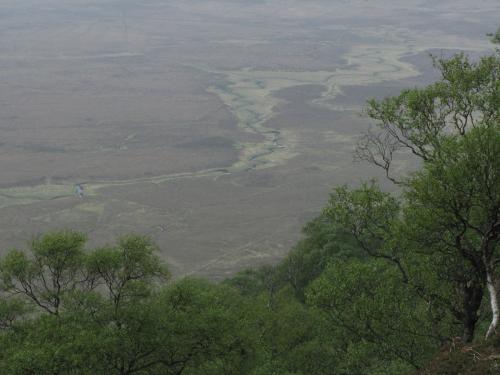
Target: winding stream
{"points": [[248, 94]]}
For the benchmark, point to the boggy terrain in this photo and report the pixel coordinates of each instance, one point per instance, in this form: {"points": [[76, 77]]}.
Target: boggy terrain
{"points": [[216, 127]]}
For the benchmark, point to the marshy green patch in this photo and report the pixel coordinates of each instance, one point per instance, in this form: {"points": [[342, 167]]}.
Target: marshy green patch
{"points": [[30, 194]]}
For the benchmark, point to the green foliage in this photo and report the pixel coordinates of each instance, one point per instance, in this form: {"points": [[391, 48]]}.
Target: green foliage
{"points": [[366, 213], [380, 320], [205, 327], [451, 205], [54, 269], [248, 282], [12, 310], [101, 313], [495, 37], [324, 241], [419, 120], [461, 191], [192, 327], [289, 337], [127, 270], [452, 216]]}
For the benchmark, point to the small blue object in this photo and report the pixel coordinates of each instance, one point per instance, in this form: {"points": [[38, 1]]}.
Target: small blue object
{"points": [[79, 190]]}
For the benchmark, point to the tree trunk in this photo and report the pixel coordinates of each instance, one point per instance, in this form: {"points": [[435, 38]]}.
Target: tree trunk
{"points": [[494, 304]]}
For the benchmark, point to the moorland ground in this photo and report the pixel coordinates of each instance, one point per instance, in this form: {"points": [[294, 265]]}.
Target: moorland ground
{"points": [[216, 127]]}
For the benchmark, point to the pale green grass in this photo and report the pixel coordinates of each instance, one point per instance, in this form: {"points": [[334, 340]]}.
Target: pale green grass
{"points": [[30, 194]]}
